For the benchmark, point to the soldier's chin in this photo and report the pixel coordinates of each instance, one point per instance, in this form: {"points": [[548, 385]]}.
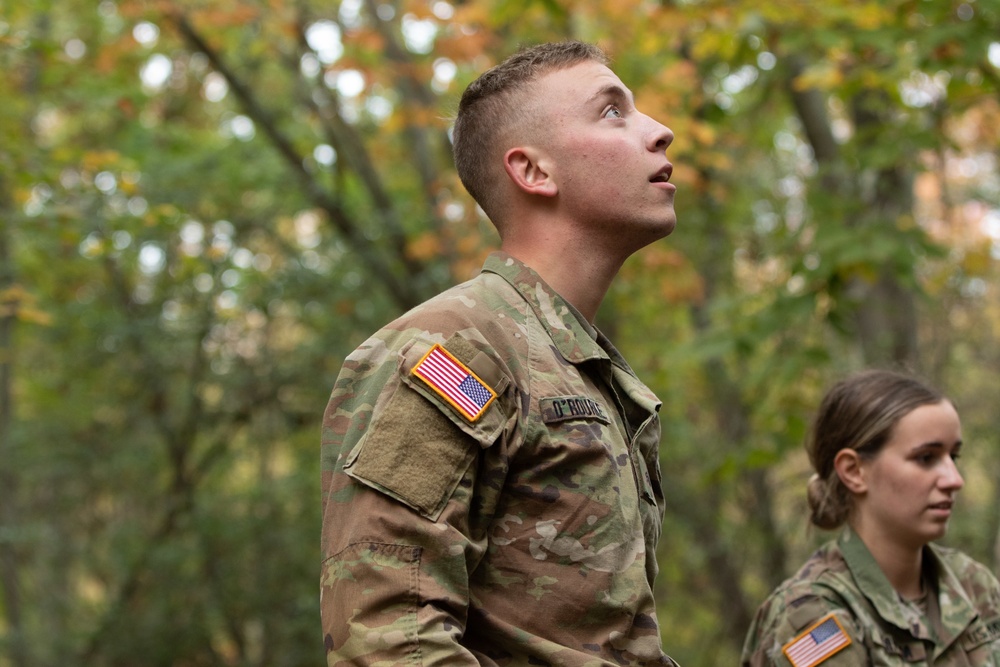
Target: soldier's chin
{"points": [[938, 531]]}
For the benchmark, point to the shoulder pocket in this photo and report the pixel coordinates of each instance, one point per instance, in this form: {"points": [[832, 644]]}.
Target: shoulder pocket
{"points": [[418, 446]]}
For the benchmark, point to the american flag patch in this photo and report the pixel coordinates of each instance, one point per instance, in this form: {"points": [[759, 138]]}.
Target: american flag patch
{"points": [[820, 641], [454, 382]]}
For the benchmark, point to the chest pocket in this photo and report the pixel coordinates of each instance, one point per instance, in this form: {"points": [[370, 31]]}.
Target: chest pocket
{"points": [[597, 437], [583, 423], [888, 650], [585, 448]]}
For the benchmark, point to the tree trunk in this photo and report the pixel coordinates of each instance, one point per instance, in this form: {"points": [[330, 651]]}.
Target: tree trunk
{"points": [[885, 317], [9, 502]]}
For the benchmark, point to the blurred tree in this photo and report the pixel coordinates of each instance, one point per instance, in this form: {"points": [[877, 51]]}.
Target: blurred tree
{"points": [[205, 205]]}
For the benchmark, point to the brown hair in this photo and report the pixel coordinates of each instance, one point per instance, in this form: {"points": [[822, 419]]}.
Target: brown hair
{"points": [[488, 110], [859, 413]]}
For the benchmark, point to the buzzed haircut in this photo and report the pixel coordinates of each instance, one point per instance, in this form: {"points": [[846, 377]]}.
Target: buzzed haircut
{"points": [[487, 110]]}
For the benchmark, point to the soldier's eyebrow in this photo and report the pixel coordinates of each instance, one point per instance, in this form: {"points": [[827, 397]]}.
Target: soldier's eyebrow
{"points": [[935, 445], [613, 92]]}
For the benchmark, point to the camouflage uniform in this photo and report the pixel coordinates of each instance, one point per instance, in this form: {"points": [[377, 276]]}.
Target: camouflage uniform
{"points": [[525, 536], [958, 625]]}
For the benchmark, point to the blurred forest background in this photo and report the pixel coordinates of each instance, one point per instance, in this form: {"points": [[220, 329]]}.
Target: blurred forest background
{"points": [[205, 205]]}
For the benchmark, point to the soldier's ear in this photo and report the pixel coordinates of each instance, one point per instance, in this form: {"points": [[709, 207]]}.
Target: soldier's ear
{"points": [[530, 169], [847, 463]]}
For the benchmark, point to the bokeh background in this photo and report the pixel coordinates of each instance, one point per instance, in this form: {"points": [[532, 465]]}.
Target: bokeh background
{"points": [[205, 205]]}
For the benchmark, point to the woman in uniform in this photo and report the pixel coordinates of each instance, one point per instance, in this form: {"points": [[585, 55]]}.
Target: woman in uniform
{"points": [[884, 448]]}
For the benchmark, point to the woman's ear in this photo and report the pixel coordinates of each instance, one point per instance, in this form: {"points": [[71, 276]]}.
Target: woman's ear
{"points": [[848, 465], [528, 168]]}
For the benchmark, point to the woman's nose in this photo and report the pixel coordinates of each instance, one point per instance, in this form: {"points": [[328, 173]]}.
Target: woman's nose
{"points": [[951, 478]]}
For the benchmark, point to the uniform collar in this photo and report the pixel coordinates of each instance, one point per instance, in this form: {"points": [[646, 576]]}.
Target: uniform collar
{"points": [[956, 610], [575, 338], [874, 585]]}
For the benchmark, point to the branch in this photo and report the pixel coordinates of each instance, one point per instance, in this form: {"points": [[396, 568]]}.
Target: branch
{"points": [[351, 147], [414, 92], [179, 440], [403, 291], [810, 106], [989, 74]]}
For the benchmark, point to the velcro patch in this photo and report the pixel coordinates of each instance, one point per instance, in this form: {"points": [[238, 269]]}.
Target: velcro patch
{"points": [[455, 382], [818, 642], [412, 452]]}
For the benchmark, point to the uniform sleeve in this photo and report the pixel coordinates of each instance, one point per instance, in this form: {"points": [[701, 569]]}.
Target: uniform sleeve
{"points": [[798, 629], [405, 510]]}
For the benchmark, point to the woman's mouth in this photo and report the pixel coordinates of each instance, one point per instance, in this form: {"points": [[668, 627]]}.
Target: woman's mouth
{"points": [[942, 508]]}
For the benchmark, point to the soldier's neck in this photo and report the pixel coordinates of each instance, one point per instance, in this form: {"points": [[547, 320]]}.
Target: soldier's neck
{"points": [[581, 278], [902, 564]]}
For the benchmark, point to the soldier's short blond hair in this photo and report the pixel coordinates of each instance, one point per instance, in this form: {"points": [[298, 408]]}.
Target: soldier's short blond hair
{"points": [[489, 111]]}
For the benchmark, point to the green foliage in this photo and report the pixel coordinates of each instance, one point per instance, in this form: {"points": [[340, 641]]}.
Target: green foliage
{"points": [[204, 206]]}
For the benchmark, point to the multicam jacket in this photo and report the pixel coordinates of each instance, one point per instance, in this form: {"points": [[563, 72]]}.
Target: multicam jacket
{"points": [[491, 488], [958, 625]]}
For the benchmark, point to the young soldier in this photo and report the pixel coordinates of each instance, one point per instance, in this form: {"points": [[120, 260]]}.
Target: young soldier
{"points": [[490, 475], [884, 447]]}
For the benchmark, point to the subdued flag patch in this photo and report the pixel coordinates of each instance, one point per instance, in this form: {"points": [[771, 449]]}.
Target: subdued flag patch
{"points": [[821, 640], [454, 382]]}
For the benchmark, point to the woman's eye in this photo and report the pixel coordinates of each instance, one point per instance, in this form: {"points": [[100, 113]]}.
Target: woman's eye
{"points": [[614, 112]]}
